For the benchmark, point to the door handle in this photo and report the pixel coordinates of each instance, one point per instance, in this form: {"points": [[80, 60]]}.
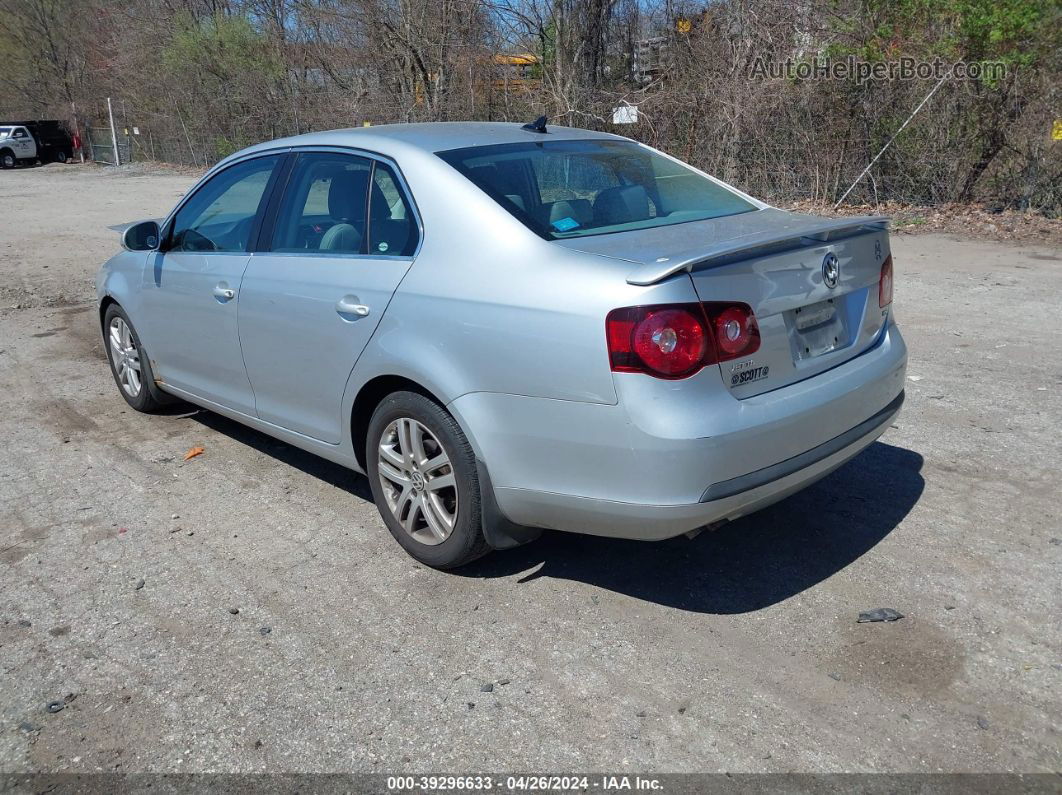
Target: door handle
{"points": [[224, 293], [347, 305]]}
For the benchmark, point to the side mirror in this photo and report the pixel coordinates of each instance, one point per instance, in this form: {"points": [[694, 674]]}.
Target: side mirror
{"points": [[143, 236]]}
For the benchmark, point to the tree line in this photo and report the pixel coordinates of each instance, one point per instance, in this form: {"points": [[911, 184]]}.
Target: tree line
{"points": [[198, 79]]}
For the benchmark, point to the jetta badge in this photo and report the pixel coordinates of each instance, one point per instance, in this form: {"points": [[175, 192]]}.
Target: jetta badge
{"points": [[831, 270]]}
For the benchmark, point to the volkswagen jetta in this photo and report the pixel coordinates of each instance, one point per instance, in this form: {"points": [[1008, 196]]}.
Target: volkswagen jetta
{"points": [[509, 328]]}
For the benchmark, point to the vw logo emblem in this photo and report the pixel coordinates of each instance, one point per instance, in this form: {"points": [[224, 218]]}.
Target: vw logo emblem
{"points": [[831, 270]]}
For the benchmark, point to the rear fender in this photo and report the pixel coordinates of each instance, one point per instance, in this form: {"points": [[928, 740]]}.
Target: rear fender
{"points": [[499, 531], [395, 354]]}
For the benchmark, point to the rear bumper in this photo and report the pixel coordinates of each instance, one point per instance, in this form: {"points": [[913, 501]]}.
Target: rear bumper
{"points": [[657, 522], [805, 460], [673, 456]]}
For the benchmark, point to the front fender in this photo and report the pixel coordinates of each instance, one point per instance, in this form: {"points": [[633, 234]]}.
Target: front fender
{"points": [[119, 279]]}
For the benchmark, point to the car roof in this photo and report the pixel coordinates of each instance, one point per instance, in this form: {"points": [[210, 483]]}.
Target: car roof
{"points": [[394, 139]]}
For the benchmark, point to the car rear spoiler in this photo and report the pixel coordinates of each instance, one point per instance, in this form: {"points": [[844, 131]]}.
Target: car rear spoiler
{"points": [[813, 232]]}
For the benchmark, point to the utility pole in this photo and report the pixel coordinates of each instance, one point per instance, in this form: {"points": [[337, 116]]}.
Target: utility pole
{"points": [[114, 136]]}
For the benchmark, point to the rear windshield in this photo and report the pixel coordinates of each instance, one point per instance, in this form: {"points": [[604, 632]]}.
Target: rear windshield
{"points": [[565, 189]]}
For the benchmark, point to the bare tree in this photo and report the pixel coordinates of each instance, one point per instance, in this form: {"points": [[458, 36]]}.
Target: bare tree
{"points": [[201, 78]]}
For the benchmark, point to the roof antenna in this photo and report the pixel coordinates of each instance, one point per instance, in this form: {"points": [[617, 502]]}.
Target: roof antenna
{"points": [[538, 125]]}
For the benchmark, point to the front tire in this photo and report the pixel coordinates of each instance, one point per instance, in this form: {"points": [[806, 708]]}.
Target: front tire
{"points": [[8, 159], [422, 473], [130, 367]]}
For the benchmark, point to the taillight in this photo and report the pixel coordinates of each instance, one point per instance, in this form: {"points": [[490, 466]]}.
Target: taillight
{"points": [[736, 332], [885, 283], [667, 341], [676, 340]]}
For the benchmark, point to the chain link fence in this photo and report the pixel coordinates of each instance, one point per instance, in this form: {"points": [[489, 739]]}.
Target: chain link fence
{"points": [[775, 168], [99, 146]]}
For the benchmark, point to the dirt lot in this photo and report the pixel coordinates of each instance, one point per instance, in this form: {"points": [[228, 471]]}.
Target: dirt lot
{"points": [[122, 566]]}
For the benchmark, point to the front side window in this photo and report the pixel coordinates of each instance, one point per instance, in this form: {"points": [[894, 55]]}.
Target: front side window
{"points": [[564, 189], [20, 132], [221, 214], [324, 205]]}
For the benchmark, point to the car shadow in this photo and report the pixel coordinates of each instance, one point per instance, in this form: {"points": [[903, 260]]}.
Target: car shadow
{"points": [[748, 564], [333, 474], [743, 566]]}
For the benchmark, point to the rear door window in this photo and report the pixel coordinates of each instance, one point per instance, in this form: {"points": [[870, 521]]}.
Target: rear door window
{"points": [[324, 208]]}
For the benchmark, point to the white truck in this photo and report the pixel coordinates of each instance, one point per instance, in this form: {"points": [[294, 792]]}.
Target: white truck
{"points": [[27, 142]]}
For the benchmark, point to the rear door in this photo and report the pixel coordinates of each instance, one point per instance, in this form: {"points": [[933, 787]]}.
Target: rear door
{"points": [[191, 289], [344, 233]]}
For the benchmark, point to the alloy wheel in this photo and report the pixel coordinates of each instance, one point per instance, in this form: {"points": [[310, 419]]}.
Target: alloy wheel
{"points": [[418, 481], [125, 356]]}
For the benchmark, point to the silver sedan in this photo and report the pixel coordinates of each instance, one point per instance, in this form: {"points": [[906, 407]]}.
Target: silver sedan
{"points": [[508, 328]]}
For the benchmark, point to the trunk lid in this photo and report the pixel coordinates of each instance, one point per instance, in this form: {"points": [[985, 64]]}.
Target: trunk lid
{"points": [[773, 261]]}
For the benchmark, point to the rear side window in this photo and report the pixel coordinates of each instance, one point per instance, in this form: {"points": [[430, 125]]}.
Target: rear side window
{"points": [[563, 189], [221, 214], [393, 227], [324, 205]]}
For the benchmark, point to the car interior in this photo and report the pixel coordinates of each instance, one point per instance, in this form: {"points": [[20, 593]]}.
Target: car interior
{"points": [[331, 196], [326, 206], [518, 185], [571, 188]]}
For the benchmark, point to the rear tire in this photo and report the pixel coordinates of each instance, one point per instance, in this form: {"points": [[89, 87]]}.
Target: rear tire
{"points": [[61, 157], [411, 444], [130, 366]]}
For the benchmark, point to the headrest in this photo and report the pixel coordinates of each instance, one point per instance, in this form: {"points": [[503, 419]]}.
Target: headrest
{"points": [[621, 205], [495, 179]]}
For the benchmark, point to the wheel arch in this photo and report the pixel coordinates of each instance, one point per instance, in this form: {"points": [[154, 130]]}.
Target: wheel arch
{"points": [[499, 531], [116, 283], [370, 395], [153, 385], [104, 305]]}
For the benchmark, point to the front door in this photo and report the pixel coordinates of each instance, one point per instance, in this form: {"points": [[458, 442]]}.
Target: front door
{"points": [[23, 144], [344, 236], [191, 289]]}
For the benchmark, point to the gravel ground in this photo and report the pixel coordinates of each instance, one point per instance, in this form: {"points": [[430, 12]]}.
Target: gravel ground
{"points": [[246, 610]]}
